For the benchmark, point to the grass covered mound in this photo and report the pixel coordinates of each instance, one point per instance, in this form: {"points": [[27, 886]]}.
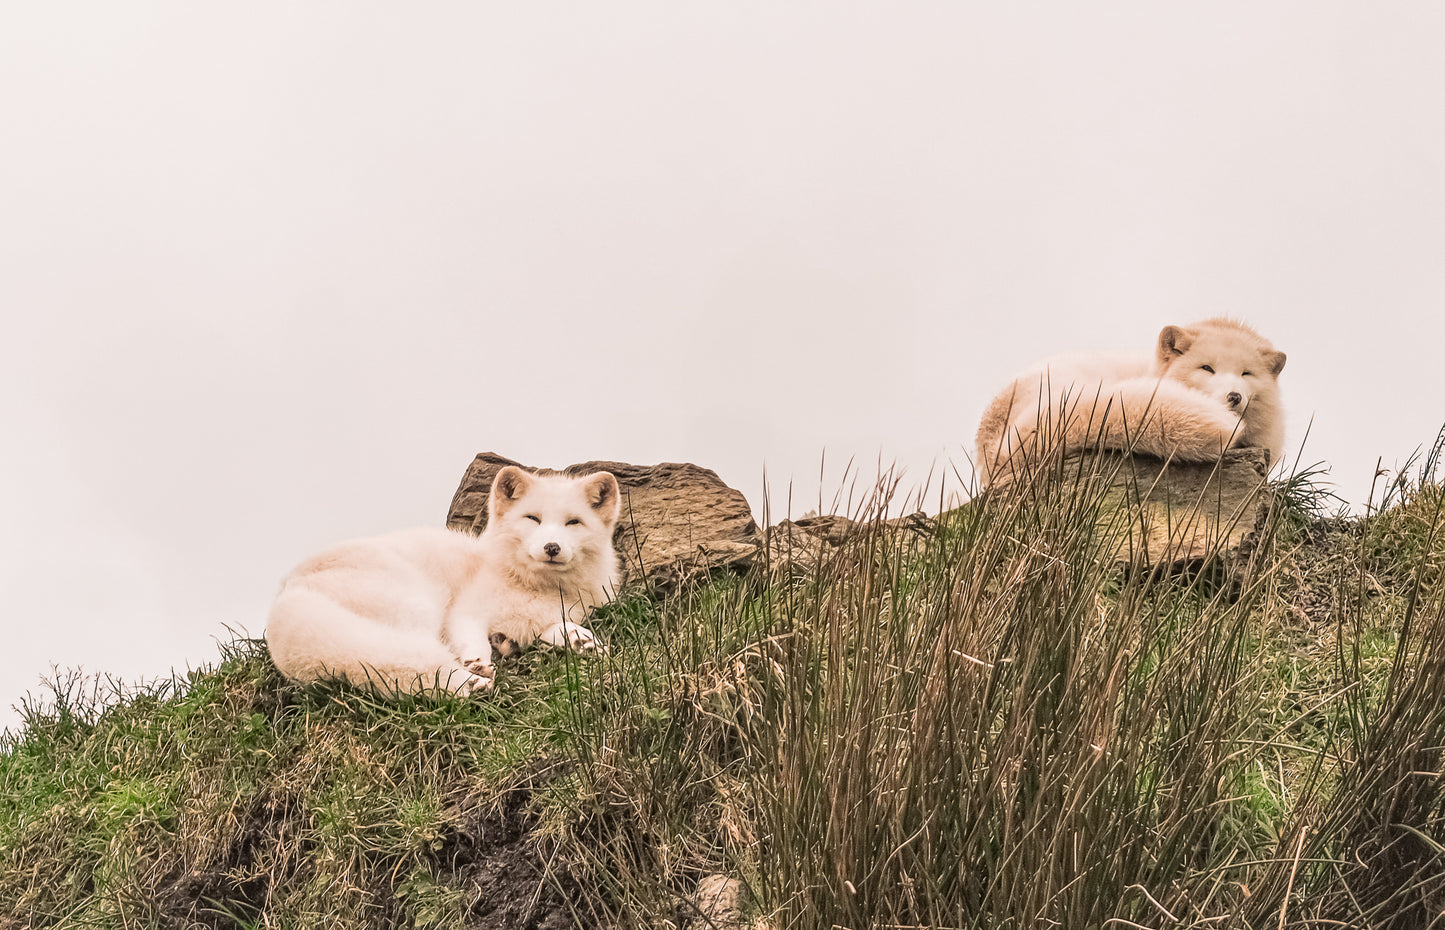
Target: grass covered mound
{"points": [[986, 725]]}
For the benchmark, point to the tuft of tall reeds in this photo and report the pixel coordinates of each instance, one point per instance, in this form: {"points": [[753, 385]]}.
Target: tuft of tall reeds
{"points": [[1368, 838], [992, 723], [1006, 722], [998, 726]]}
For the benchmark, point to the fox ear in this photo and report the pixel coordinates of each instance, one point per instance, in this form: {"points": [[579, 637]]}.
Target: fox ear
{"points": [[603, 495], [507, 488], [1275, 361], [1174, 341]]}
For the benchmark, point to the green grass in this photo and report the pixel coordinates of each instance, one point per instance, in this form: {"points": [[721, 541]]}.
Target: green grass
{"points": [[988, 725], [235, 792]]}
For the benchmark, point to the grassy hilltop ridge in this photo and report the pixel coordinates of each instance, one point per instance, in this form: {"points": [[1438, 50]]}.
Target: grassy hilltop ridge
{"points": [[988, 726]]}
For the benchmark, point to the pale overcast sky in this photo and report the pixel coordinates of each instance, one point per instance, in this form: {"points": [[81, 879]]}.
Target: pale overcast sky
{"points": [[271, 273]]}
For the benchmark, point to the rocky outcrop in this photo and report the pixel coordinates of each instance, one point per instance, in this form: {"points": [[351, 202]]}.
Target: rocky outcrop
{"points": [[1180, 513], [678, 520]]}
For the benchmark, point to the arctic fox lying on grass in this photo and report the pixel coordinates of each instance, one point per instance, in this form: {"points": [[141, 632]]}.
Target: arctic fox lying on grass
{"points": [[1208, 387], [421, 609]]}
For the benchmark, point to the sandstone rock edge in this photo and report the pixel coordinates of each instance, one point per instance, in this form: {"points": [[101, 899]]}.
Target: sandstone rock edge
{"points": [[678, 520]]}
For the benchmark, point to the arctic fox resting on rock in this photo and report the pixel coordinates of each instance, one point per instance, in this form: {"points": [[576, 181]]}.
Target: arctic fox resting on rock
{"points": [[421, 609], [1209, 386]]}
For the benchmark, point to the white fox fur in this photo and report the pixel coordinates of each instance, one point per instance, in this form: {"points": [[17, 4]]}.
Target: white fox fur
{"points": [[421, 609], [1207, 387]]}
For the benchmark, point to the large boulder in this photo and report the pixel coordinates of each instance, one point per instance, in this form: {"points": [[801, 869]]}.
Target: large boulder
{"points": [[678, 520], [1180, 513]]}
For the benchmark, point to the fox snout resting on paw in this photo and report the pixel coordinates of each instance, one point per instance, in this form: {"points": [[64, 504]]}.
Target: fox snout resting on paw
{"points": [[1206, 387]]}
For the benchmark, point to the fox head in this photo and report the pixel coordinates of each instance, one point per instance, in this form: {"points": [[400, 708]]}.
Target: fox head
{"points": [[553, 522], [1225, 359]]}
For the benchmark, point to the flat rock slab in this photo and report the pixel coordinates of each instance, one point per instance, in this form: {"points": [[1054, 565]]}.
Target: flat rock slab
{"points": [[717, 904], [800, 547], [1180, 512], [678, 520]]}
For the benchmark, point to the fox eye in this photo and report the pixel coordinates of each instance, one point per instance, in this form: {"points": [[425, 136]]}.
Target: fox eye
{"points": [[573, 522], [1245, 374], [1208, 368], [534, 518]]}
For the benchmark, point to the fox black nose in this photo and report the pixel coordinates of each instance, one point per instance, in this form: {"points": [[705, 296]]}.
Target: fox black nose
{"points": [[1235, 398], [551, 549]]}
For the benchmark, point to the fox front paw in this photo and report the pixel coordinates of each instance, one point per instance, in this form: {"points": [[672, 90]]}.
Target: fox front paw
{"points": [[479, 677], [481, 667], [579, 639]]}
